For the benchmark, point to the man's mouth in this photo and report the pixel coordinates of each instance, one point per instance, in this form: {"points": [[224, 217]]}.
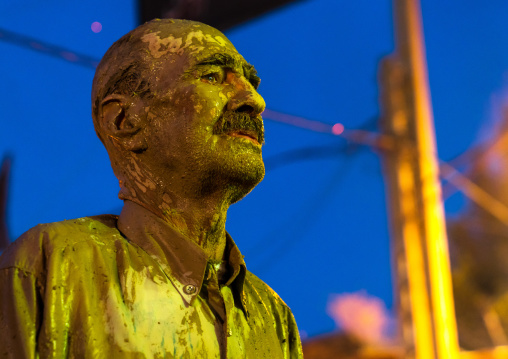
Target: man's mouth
{"points": [[249, 135], [241, 125]]}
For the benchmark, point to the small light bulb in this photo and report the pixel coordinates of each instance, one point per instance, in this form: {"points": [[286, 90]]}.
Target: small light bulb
{"points": [[96, 27], [337, 129]]}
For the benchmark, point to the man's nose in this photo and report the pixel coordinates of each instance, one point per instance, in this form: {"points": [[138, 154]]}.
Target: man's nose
{"points": [[245, 97]]}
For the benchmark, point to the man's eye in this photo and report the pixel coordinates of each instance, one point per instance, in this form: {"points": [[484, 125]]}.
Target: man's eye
{"points": [[212, 78]]}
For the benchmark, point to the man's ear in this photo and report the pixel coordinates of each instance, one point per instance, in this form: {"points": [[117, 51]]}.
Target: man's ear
{"points": [[123, 119]]}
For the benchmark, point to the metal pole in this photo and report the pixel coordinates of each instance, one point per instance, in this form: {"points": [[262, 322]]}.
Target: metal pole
{"points": [[418, 226]]}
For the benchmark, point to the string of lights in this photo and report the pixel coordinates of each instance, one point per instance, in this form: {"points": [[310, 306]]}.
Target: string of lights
{"points": [[305, 154], [43, 47]]}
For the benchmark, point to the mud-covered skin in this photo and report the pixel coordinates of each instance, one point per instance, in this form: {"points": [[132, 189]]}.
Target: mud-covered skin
{"points": [[163, 147]]}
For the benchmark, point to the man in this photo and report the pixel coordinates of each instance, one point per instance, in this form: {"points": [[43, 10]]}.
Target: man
{"points": [[177, 109]]}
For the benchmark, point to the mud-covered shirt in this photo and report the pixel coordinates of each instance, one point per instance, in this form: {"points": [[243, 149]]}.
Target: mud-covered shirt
{"points": [[115, 287]]}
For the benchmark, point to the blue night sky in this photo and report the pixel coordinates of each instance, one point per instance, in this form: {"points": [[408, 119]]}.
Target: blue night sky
{"points": [[313, 227]]}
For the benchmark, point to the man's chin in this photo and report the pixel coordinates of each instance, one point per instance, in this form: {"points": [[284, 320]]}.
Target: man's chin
{"points": [[246, 184], [238, 176]]}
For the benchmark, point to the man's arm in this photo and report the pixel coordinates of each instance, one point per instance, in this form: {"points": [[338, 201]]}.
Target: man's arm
{"points": [[19, 313], [294, 342]]}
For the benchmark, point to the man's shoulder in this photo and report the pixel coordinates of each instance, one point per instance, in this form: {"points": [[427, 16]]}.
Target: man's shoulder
{"points": [[262, 289], [32, 249]]}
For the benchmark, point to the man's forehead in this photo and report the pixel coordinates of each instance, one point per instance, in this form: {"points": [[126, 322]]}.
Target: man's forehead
{"points": [[180, 46], [191, 41], [197, 46]]}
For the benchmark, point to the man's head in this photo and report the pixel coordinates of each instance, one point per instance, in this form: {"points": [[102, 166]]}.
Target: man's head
{"points": [[177, 108]]}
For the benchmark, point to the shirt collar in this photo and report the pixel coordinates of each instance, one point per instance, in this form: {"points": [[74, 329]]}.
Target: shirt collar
{"points": [[183, 261]]}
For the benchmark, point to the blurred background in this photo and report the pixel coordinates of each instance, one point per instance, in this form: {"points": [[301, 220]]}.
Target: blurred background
{"points": [[316, 228]]}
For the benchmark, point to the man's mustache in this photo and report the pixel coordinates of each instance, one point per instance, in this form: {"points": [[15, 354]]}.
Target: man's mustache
{"points": [[233, 121]]}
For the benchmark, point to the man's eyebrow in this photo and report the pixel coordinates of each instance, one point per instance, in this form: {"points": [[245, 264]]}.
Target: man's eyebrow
{"points": [[226, 60], [251, 74]]}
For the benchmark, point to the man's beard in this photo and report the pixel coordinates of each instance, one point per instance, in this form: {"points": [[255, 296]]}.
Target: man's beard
{"points": [[233, 121], [242, 173]]}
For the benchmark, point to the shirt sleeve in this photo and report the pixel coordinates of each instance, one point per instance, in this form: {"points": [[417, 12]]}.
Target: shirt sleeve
{"points": [[294, 342], [19, 313]]}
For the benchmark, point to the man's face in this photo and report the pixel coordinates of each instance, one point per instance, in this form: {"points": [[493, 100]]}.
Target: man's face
{"points": [[205, 116]]}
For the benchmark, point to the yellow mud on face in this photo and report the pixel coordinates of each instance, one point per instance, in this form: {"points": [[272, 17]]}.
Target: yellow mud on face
{"points": [[223, 97], [204, 38], [198, 107], [194, 41], [159, 47]]}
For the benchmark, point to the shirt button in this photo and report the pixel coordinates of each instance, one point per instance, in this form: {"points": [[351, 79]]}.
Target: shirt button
{"points": [[229, 332], [189, 289]]}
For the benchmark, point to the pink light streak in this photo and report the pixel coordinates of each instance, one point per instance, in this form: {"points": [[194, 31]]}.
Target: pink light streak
{"points": [[301, 122], [69, 56]]}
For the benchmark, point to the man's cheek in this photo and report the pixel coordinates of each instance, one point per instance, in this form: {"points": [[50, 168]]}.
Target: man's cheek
{"points": [[224, 97], [215, 112], [212, 108]]}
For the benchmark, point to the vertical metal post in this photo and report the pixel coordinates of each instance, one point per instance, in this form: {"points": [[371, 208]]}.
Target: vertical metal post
{"points": [[418, 226]]}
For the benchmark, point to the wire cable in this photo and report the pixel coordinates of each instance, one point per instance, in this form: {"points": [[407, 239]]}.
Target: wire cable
{"points": [[280, 241], [305, 154], [46, 48]]}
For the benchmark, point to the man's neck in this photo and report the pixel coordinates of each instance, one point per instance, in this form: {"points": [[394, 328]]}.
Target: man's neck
{"points": [[202, 220]]}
